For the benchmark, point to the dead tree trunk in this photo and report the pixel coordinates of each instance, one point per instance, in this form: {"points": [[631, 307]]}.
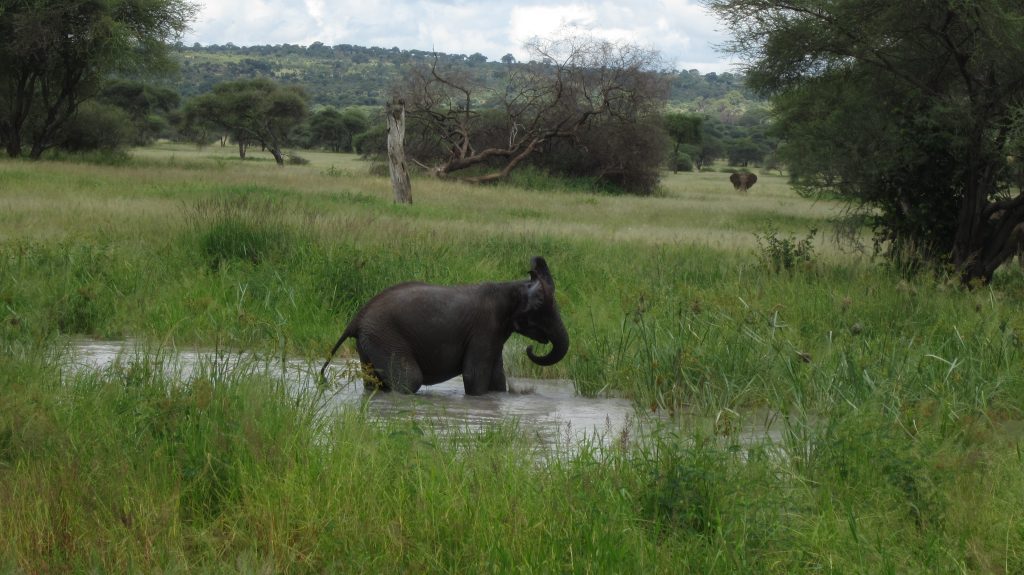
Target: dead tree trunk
{"points": [[396, 153]]}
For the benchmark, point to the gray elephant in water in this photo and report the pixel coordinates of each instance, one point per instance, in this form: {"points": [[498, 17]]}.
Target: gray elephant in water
{"points": [[415, 334]]}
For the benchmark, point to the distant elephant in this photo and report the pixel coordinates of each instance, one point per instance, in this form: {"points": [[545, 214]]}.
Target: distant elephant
{"points": [[415, 334], [742, 181]]}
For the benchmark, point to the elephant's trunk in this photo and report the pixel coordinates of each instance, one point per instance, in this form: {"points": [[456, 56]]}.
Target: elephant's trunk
{"points": [[559, 346]]}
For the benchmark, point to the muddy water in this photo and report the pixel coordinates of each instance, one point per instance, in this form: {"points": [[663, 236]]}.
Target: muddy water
{"points": [[548, 411]]}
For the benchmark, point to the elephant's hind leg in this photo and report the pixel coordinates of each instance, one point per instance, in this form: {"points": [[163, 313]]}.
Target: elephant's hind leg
{"points": [[396, 370]]}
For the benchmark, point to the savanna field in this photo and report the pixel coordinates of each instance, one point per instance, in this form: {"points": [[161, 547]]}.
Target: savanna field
{"points": [[899, 395]]}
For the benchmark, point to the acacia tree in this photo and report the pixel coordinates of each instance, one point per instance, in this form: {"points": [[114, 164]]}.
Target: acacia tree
{"points": [[256, 110], [570, 86], [54, 54], [337, 130], [684, 129], [911, 109], [686, 132]]}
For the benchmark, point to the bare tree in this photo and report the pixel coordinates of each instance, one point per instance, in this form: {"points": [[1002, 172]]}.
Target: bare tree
{"points": [[396, 153], [570, 85]]}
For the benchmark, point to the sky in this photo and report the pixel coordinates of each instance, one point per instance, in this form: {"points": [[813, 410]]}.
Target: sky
{"points": [[682, 31]]}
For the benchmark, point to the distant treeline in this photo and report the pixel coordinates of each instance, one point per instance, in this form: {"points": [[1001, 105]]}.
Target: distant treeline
{"points": [[346, 75]]}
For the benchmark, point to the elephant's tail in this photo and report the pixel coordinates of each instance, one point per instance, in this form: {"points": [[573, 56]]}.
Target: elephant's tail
{"points": [[349, 332]]}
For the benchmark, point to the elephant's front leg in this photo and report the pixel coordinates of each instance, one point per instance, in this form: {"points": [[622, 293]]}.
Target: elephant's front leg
{"points": [[483, 371], [498, 382]]}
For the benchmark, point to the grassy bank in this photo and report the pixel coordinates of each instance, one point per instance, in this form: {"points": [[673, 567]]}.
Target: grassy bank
{"points": [[122, 470], [901, 396]]}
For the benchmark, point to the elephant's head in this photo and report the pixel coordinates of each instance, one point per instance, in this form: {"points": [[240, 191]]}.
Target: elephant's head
{"points": [[742, 181], [537, 316]]}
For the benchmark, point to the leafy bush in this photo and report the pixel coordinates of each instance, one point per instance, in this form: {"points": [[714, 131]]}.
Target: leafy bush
{"points": [[682, 162], [784, 253], [98, 127], [372, 142]]}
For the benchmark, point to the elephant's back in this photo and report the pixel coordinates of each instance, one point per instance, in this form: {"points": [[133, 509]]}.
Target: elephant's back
{"points": [[428, 322], [415, 312]]}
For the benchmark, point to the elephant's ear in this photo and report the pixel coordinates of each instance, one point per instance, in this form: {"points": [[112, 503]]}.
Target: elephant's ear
{"points": [[536, 296], [539, 271]]}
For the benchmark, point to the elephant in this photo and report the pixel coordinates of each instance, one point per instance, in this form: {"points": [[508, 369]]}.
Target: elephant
{"points": [[742, 181], [415, 334]]}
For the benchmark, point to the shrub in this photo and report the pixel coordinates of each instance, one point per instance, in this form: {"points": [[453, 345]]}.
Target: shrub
{"points": [[682, 162], [784, 253], [98, 127]]}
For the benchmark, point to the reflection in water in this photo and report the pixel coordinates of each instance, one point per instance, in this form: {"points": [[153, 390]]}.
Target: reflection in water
{"points": [[549, 411]]}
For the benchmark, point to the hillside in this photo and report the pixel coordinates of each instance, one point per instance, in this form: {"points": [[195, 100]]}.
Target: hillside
{"points": [[347, 75]]}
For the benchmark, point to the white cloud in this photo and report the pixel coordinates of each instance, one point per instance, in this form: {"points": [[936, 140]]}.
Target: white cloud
{"points": [[680, 29]]}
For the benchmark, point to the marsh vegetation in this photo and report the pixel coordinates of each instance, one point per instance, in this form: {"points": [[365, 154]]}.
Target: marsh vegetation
{"points": [[899, 396]]}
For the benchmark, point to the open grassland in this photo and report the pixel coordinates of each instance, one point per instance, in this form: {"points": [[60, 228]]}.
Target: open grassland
{"points": [[901, 396]]}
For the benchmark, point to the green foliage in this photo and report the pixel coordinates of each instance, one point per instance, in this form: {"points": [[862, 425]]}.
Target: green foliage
{"points": [[532, 177], [337, 131], [784, 253], [150, 108], [624, 157], [243, 228], [99, 157], [252, 111], [684, 129], [744, 152], [99, 127], [345, 75], [883, 103], [102, 469], [801, 424], [711, 145], [372, 142], [682, 162], [55, 55]]}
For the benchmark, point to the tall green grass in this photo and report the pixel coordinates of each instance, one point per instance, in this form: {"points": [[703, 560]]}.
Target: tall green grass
{"points": [[127, 469], [898, 396], [243, 228]]}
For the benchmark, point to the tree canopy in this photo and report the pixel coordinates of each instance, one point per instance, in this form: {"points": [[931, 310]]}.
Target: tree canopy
{"points": [[251, 111], [150, 109], [55, 54], [337, 130], [346, 75], [913, 110]]}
